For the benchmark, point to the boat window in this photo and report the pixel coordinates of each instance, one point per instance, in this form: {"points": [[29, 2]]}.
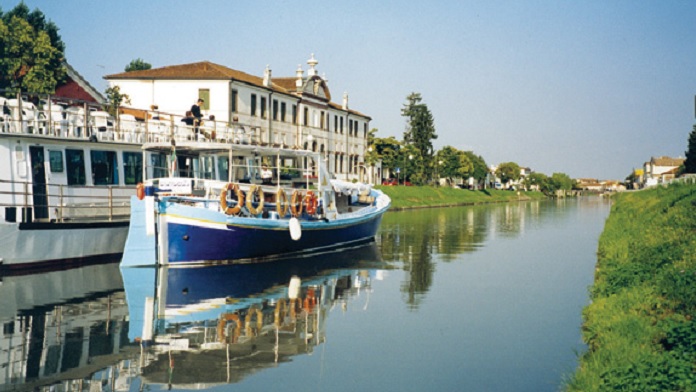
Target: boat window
{"points": [[132, 168], [56, 161], [222, 168], [158, 163], [104, 167], [207, 167], [75, 164]]}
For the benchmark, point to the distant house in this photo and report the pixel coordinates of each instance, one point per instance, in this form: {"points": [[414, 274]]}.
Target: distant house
{"points": [[660, 169], [292, 111], [76, 87]]}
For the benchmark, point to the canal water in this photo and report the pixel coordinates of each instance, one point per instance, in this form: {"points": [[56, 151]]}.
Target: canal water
{"points": [[482, 298]]}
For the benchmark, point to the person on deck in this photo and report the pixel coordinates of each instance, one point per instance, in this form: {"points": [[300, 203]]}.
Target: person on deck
{"points": [[197, 115]]}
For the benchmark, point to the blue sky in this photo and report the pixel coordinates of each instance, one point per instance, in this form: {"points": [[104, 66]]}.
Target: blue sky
{"points": [[588, 88]]}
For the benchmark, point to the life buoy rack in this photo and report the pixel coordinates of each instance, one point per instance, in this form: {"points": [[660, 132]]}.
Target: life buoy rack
{"points": [[310, 202], [296, 203], [223, 199], [140, 191], [281, 203], [249, 203]]}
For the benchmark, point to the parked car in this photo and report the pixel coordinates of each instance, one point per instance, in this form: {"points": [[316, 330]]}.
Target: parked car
{"points": [[390, 181]]}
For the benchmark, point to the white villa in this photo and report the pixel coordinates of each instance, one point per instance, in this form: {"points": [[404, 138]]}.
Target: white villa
{"points": [[290, 111]]}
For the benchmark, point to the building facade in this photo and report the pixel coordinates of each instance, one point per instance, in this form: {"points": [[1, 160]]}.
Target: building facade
{"points": [[288, 111]]}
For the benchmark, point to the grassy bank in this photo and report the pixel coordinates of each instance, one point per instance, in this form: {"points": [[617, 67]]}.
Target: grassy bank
{"points": [[639, 327], [404, 197]]}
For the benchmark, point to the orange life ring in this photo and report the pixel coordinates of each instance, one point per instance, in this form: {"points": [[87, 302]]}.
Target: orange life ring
{"points": [[310, 202], [281, 203], [259, 193], [296, 203], [223, 199], [140, 191]]}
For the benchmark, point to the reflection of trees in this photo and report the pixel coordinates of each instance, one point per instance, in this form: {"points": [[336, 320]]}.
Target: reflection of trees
{"points": [[414, 236]]}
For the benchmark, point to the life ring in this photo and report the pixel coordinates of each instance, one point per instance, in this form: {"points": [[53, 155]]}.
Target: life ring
{"points": [[140, 191], [223, 199], [310, 202], [249, 203], [281, 203], [296, 203]]}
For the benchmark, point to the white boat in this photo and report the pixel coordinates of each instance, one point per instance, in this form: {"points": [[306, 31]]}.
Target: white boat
{"points": [[67, 173], [207, 202]]}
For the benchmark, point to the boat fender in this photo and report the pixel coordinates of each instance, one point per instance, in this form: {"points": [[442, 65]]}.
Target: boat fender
{"points": [[294, 287], [295, 229], [140, 191]]}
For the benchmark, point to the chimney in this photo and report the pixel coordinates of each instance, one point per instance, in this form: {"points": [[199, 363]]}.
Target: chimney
{"points": [[312, 62], [299, 73], [267, 77], [345, 100]]}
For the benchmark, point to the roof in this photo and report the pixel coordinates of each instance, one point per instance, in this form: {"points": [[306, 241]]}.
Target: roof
{"points": [[206, 70], [667, 161]]}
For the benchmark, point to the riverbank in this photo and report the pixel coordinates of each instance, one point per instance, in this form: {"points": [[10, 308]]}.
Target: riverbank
{"points": [[406, 197], [639, 327]]}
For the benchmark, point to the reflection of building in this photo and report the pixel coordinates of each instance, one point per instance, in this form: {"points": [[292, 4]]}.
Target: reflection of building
{"points": [[291, 111], [65, 327]]}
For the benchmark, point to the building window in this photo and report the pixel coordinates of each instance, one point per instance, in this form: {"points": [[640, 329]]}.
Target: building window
{"points": [[365, 130], [132, 168], [75, 163], [294, 114], [275, 110], [204, 94], [282, 111], [335, 124], [253, 105], [233, 101], [321, 120], [263, 107], [104, 167], [341, 128], [306, 116]]}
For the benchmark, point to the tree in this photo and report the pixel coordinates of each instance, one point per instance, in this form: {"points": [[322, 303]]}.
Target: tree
{"points": [[690, 162], [387, 150], [137, 65], [115, 99], [508, 171], [540, 180], [31, 52], [420, 131], [452, 163], [480, 169]]}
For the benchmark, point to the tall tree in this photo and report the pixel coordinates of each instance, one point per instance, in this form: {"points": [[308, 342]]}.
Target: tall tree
{"points": [[31, 52], [420, 131], [508, 171], [690, 162], [137, 65], [480, 170]]}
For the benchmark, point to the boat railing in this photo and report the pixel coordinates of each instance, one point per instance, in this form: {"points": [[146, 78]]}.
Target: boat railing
{"points": [[74, 119], [26, 202]]}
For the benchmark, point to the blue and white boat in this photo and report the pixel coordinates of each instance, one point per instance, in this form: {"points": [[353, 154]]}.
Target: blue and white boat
{"points": [[209, 201]]}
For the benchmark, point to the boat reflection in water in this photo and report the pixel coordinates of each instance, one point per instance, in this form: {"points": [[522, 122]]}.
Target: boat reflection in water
{"points": [[73, 330], [210, 325], [65, 328]]}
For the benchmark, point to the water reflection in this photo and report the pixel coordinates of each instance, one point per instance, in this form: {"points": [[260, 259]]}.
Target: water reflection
{"points": [[180, 327], [413, 239], [213, 325], [63, 326]]}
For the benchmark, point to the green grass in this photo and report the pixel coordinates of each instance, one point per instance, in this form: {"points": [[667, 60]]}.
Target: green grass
{"points": [[404, 197], [639, 327]]}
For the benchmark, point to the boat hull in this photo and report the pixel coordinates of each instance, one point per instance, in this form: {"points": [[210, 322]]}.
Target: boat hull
{"points": [[192, 234], [28, 247]]}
